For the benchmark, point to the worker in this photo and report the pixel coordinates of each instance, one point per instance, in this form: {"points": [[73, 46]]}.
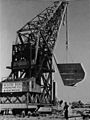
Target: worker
{"points": [[66, 110], [29, 113], [23, 113]]}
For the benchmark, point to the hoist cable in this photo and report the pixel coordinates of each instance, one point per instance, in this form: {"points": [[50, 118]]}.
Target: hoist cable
{"points": [[66, 38]]}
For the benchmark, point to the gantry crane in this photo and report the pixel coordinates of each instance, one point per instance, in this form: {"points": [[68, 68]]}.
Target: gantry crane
{"points": [[30, 81]]}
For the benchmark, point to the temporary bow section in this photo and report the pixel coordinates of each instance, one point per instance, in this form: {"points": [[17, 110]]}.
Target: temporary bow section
{"points": [[71, 73], [30, 81]]}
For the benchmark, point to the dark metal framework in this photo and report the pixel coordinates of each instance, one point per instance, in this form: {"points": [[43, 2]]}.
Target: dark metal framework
{"points": [[32, 54]]}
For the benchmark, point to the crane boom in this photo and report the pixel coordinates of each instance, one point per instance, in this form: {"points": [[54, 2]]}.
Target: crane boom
{"points": [[48, 22]]}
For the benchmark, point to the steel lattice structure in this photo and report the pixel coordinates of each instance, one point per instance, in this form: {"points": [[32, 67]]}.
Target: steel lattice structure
{"points": [[32, 56]]}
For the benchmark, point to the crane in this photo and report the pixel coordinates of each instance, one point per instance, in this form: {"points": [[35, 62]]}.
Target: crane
{"points": [[30, 81]]}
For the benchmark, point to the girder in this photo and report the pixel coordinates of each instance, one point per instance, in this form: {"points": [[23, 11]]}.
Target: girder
{"points": [[34, 98]]}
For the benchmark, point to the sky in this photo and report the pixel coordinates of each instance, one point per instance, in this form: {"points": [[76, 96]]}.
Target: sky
{"points": [[16, 13]]}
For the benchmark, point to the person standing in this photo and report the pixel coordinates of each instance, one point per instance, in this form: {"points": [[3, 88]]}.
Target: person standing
{"points": [[66, 111]]}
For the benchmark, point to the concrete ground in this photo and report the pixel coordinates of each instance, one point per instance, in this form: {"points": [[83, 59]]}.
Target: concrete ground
{"points": [[8, 117]]}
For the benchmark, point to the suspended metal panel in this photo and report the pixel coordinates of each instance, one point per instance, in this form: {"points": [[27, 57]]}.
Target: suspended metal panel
{"points": [[71, 73]]}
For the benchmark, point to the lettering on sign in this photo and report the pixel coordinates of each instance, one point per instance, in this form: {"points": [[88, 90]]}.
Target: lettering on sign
{"points": [[12, 87]]}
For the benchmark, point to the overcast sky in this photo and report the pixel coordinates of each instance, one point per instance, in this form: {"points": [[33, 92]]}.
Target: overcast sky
{"points": [[16, 13]]}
